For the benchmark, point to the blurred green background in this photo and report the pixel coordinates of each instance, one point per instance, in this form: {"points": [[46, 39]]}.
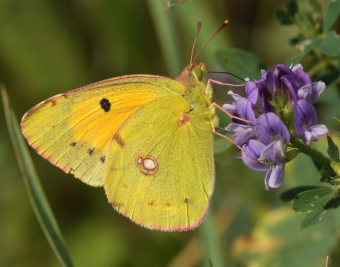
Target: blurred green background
{"points": [[52, 46]]}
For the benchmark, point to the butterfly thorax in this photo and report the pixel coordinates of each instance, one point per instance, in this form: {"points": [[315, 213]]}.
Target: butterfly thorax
{"points": [[198, 92]]}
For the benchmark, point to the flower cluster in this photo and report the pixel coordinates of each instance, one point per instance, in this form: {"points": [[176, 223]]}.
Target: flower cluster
{"points": [[277, 107]]}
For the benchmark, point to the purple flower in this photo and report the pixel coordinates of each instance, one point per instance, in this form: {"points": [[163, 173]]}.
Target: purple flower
{"points": [[252, 92], [231, 105], [311, 92], [274, 152], [300, 75], [274, 176], [269, 127], [284, 95], [261, 90], [282, 73], [306, 122], [251, 156], [241, 131]]}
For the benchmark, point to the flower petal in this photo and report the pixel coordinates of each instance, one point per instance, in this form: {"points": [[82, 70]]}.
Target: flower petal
{"points": [[230, 107], [314, 133], [301, 76], [304, 116], [319, 129], [311, 92], [274, 152], [251, 154], [269, 126], [279, 71], [274, 176], [252, 92], [244, 109], [241, 133], [291, 85], [236, 97]]}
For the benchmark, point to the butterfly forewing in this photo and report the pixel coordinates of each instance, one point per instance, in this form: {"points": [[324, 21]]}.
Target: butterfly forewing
{"points": [[73, 130]]}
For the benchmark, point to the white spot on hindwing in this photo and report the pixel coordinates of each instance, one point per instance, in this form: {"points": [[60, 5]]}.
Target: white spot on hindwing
{"points": [[148, 165]]}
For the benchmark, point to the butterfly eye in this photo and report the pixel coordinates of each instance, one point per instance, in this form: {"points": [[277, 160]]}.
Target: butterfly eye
{"points": [[197, 73]]}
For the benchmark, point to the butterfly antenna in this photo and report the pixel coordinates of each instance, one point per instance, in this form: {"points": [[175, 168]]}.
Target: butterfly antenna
{"points": [[225, 72], [212, 37], [199, 27]]}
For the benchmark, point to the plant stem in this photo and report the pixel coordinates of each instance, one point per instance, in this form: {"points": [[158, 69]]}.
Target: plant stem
{"points": [[314, 154]]}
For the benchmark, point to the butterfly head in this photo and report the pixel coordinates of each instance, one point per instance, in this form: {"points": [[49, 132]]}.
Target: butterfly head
{"points": [[195, 72]]}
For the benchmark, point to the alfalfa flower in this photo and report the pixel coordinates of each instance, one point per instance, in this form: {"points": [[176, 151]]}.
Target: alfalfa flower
{"points": [[276, 108]]}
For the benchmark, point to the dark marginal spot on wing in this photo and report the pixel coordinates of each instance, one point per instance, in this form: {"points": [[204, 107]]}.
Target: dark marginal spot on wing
{"points": [[151, 203], [90, 151], [105, 104], [53, 102], [186, 200], [102, 159], [73, 144]]}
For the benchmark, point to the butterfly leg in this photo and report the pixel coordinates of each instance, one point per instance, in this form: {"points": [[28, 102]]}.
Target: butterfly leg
{"points": [[224, 136], [210, 81], [233, 142], [229, 114]]}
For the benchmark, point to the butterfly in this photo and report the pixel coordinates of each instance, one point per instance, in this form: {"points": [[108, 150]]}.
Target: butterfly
{"points": [[146, 139]]}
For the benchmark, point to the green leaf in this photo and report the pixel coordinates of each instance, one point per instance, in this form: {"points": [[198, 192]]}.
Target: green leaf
{"points": [[333, 203], [333, 150], [283, 17], [312, 218], [297, 39], [311, 200], [332, 15], [330, 45], [308, 48], [240, 63], [291, 193], [34, 189], [279, 230], [292, 8], [221, 145]]}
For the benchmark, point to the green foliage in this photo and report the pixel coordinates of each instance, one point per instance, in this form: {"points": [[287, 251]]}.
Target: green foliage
{"points": [[332, 15], [286, 14], [314, 199], [240, 63], [330, 45], [292, 193], [220, 145], [318, 42], [35, 192], [333, 150], [315, 202]]}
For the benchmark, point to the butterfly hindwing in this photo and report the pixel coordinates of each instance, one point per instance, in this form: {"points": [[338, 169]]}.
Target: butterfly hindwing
{"points": [[73, 130], [162, 177]]}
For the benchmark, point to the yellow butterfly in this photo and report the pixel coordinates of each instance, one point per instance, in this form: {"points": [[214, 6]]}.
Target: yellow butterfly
{"points": [[147, 139]]}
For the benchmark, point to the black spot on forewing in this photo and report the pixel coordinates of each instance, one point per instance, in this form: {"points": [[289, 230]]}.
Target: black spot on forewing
{"points": [[105, 104], [102, 159], [90, 151], [73, 144]]}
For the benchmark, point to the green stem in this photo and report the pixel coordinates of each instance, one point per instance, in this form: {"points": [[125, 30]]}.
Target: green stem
{"points": [[211, 242], [314, 154]]}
